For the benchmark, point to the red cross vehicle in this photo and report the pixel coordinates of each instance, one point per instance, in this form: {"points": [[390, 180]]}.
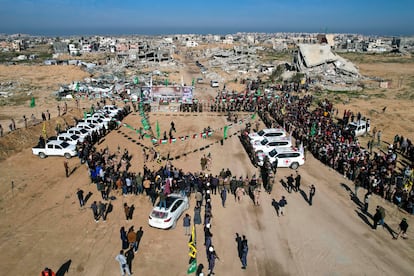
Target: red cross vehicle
{"points": [[286, 157]]}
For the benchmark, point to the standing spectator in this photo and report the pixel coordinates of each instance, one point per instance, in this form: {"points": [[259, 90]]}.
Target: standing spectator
{"points": [[198, 198], [102, 210], [58, 109], [94, 208], [172, 127], [223, 195], [43, 116], [197, 215], [403, 229], [245, 250], [122, 263], [124, 237], [163, 200], [1, 130], [366, 201], [379, 137], [66, 165], [126, 211], [256, 194], [377, 218], [282, 203], [187, 224], [13, 123], [240, 192], [311, 193], [297, 182], [129, 255], [212, 256], [290, 181], [132, 238], [47, 272], [25, 121], [80, 197], [48, 114]]}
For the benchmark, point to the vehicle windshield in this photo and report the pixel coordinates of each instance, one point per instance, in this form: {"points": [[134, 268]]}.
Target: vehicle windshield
{"points": [[352, 127], [273, 153], [84, 131], [261, 133], [74, 137], [169, 200], [264, 142], [64, 144]]}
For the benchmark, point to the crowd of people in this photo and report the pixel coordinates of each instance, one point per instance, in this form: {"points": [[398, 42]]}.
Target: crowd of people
{"points": [[337, 146]]}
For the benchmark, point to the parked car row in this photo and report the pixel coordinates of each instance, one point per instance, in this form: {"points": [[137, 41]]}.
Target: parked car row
{"points": [[64, 144], [275, 146]]}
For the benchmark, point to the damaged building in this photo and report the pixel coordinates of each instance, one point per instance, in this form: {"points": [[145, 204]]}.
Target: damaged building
{"points": [[318, 61]]}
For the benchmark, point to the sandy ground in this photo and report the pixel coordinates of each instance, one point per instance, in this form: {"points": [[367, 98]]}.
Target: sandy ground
{"points": [[42, 224]]}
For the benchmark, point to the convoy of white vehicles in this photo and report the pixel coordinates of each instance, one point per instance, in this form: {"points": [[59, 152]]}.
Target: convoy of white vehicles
{"points": [[272, 144], [64, 144]]}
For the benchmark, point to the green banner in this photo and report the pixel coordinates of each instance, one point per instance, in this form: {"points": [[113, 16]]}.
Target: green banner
{"points": [[158, 130], [225, 132], [192, 267], [32, 102]]}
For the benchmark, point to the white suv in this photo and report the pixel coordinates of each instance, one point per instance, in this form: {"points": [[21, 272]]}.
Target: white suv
{"points": [[286, 157], [266, 133], [267, 144]]}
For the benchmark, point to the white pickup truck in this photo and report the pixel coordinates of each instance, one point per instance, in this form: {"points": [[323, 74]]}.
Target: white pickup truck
{"points": [[55, 148]]}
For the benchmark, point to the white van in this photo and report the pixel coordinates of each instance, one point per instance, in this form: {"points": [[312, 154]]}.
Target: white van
{"points": [[286, 157], [266, 133], [269, 143]]}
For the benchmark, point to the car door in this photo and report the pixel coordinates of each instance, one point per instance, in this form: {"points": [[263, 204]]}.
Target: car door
{"points": [[175, 210], [57, 150]]}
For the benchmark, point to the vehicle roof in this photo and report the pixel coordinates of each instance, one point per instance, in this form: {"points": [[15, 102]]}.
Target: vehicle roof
{"points": [[358, 123], [278, 138], [170, 199], [267, 130], [55, 142], [66, 134], [77, 128]]}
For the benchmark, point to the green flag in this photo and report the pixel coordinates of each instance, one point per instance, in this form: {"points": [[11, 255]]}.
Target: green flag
{"points": [[32, 102], [193, 82], [225, 132], [166, 82], [254, 116], [158, 130], [192, 267], [136, 80], [313, 130], [77, 87]]}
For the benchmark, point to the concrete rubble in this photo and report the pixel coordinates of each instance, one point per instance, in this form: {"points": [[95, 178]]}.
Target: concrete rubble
{"points": [[317, 61]]}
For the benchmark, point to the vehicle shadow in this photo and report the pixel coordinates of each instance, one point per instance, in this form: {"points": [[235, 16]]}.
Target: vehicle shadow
{"points": [[64, 268]]}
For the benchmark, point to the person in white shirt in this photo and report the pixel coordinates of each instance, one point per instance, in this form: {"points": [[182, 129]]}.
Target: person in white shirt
{"points": [[123, 263]]}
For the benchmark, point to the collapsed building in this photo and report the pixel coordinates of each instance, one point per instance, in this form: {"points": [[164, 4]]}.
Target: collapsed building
{"points": [[319, 62]]}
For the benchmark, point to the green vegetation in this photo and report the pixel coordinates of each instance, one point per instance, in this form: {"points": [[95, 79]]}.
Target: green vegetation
{"points": [[377, 58], [16, 100], [271, 55]]}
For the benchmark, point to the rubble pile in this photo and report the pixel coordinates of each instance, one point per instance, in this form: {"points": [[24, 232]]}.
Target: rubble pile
{"points": [[319, 62]]}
